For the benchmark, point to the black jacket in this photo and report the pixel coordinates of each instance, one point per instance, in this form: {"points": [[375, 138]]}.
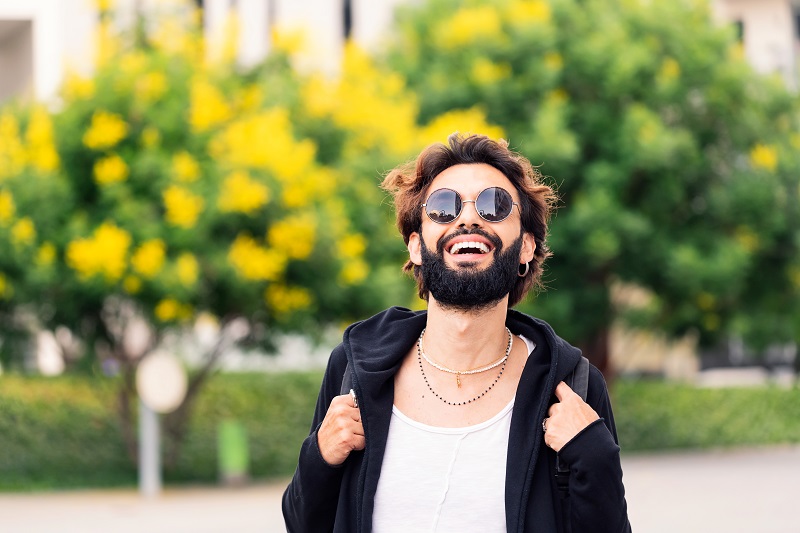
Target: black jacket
{"points": [[340, 499]]}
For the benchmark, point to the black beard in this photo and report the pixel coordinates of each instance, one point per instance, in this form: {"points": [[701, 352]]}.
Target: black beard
{"points": [[470, 289]]}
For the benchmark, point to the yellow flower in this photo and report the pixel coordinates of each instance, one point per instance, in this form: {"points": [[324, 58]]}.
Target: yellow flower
{"points": [[294, 235], [111, 169], [250, 98], [23, 232], [167, 310], [46, 254], [148, 259], [317, 183], [241, 193], [104, 253], [183, 207], [354, 271], [151, 86], [288, 41], [352, 246], [12, 151], [77, 87], [763, 156], [670, 71], [469, 25], [207, 106], [254, 262], [747, 238], [132, 284], [105, 131], [42, 152], [471, 120], [523, 12], [184, 167], [283, 300], [706, 301], [188, 269], [553, 61], [486, 72], [7, 207]]}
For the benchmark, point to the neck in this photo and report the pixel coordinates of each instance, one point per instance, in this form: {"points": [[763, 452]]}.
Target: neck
{"points": [[465, 339]]}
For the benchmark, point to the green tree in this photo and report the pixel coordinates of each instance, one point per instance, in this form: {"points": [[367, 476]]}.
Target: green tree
{"points": [[672, 157]]}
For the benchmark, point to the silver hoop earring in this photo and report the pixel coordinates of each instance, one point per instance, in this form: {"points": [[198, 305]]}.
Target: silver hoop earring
{"points": [[522, 273]]}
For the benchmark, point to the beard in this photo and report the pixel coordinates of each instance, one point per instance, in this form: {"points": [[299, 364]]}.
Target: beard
{"points": [[470, 289]]}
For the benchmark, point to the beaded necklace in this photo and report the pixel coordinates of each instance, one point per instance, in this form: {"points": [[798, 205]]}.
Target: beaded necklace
{"points": [[502, 361]]}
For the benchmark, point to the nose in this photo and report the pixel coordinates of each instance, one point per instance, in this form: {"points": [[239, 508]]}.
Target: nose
{"points": [[469, 216]]}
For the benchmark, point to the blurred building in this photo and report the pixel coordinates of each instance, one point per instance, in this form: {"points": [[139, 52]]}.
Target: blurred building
{"points": [[40, 40]]}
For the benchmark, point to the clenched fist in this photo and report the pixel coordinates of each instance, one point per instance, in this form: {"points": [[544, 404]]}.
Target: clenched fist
{"points": [[341, 431], [567, 418]]}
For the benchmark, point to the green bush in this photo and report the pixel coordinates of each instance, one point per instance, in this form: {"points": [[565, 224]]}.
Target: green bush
{"points": [[63, 432]]}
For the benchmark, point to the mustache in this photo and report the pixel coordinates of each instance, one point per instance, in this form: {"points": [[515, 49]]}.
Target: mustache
{"points": [[494, 239]]}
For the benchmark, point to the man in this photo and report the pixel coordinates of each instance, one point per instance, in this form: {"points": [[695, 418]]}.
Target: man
{"points": [[457, 415]]}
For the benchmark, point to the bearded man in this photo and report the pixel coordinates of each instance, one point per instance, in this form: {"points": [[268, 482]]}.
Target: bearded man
{"points": [[457, 417]]}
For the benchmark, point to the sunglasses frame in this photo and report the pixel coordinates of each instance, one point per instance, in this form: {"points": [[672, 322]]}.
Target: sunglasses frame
{"points": [[461, 209]]}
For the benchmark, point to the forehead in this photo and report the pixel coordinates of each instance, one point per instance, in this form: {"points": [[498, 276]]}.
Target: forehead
{"points": [[471, 179]]}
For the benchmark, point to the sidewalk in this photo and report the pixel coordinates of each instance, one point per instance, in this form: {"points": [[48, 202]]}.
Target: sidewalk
{"points": [[752, 490]]}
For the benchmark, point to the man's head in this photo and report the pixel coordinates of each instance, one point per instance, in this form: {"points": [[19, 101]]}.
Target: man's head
{"points": [[485, 217]]}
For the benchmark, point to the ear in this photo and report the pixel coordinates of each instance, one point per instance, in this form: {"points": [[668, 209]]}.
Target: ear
{"points": [[415, 248], [528, 248]]}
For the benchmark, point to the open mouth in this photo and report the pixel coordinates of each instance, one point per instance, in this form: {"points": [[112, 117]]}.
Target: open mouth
{"points": [[469, 247]]}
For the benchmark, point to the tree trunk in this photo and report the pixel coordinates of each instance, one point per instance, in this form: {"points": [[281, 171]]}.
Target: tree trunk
{"points": [[596, 350]]}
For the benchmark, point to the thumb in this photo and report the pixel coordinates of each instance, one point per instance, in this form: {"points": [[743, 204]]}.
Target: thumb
{"points": [[562, 391]]}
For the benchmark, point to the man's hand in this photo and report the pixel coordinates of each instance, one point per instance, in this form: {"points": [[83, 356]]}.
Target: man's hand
{"points": [[341, 431], [566, 418]]}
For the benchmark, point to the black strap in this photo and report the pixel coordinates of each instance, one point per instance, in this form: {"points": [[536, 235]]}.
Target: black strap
{"points": [[347, 380], [578, 381]]}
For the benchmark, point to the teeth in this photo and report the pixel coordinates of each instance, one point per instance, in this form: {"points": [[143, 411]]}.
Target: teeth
{"points": [[469, 244]]}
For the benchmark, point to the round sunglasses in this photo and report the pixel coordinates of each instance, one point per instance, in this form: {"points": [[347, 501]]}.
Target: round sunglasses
{"points": [[493, 205]]}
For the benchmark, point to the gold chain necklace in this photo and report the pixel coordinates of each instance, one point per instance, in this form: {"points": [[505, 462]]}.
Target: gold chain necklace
{"points": [[460, 373]]}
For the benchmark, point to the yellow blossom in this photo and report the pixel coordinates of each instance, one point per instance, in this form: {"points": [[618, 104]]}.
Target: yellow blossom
{"points": [[104, 253], [188, 269], [12, 151], [133, 63], [317, 183], [111, 169], [105, 131], [132, 284], [182, 207], [207, 106], [352, 246], [553, 61], [107, 44], [46, 254], [471, 120], [794, 276], [254, 262], [6, 290], [524, 12], [7, 207], [184, 167], [151, 86], [354, 271], [469, 25], [670, 71], [288, 40], [241, 193], [148, 259], [486, 72], [284, 300], [294, 235], [706, 301], [763, 156], [76, 87], [250, 98], [23, 232], [747, 238], [167, 310], [42, 152]]}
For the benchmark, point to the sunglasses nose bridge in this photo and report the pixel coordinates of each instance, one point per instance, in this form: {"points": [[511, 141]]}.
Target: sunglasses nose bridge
{"points": [[476, 217]]}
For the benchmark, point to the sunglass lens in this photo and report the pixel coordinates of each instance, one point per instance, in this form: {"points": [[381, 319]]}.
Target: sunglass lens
{"points": [[494, 204], [443, 206]]}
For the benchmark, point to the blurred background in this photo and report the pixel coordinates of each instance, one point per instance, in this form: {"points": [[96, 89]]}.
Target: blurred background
{"points": [[202, 179]]}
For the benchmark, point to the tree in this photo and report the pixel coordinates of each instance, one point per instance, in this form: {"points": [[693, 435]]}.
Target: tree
{"points": [[669, 153], [169, 190]]}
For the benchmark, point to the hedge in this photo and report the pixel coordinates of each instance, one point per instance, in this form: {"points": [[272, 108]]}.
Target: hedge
{"points": [[62, 432]]}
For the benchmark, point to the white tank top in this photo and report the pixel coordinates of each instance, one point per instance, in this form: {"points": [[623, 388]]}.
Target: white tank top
{"points": [[444, 479]]}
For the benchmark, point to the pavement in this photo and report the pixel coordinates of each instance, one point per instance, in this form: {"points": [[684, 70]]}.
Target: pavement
{"points": [[742, 490]]}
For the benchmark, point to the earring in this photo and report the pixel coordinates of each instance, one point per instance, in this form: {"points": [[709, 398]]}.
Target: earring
{"points": [[522, 273]]}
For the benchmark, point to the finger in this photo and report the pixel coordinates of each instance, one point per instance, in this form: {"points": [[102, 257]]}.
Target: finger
{"points": [[359, 443], [562, 391]]}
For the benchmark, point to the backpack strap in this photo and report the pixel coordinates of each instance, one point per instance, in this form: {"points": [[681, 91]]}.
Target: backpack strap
{"points": [[578, 381], [347, 380]]}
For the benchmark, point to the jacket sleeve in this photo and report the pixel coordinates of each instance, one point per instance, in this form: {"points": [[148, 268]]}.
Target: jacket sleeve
{"points": [[310, 500], [596, 494]]}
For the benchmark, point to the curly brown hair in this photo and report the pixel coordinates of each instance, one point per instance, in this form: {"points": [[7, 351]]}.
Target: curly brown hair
{"points": [[409, 183]]}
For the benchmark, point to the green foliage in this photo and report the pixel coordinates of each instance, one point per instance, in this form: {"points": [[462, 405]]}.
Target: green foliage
{"points": [[676, 163], [655, 415]]}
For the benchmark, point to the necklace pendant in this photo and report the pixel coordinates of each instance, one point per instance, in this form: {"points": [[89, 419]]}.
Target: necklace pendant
{"points": [[458, 380]]}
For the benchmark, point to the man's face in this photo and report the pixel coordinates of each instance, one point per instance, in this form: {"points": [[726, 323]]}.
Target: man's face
{"points": [[473, 260]]}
